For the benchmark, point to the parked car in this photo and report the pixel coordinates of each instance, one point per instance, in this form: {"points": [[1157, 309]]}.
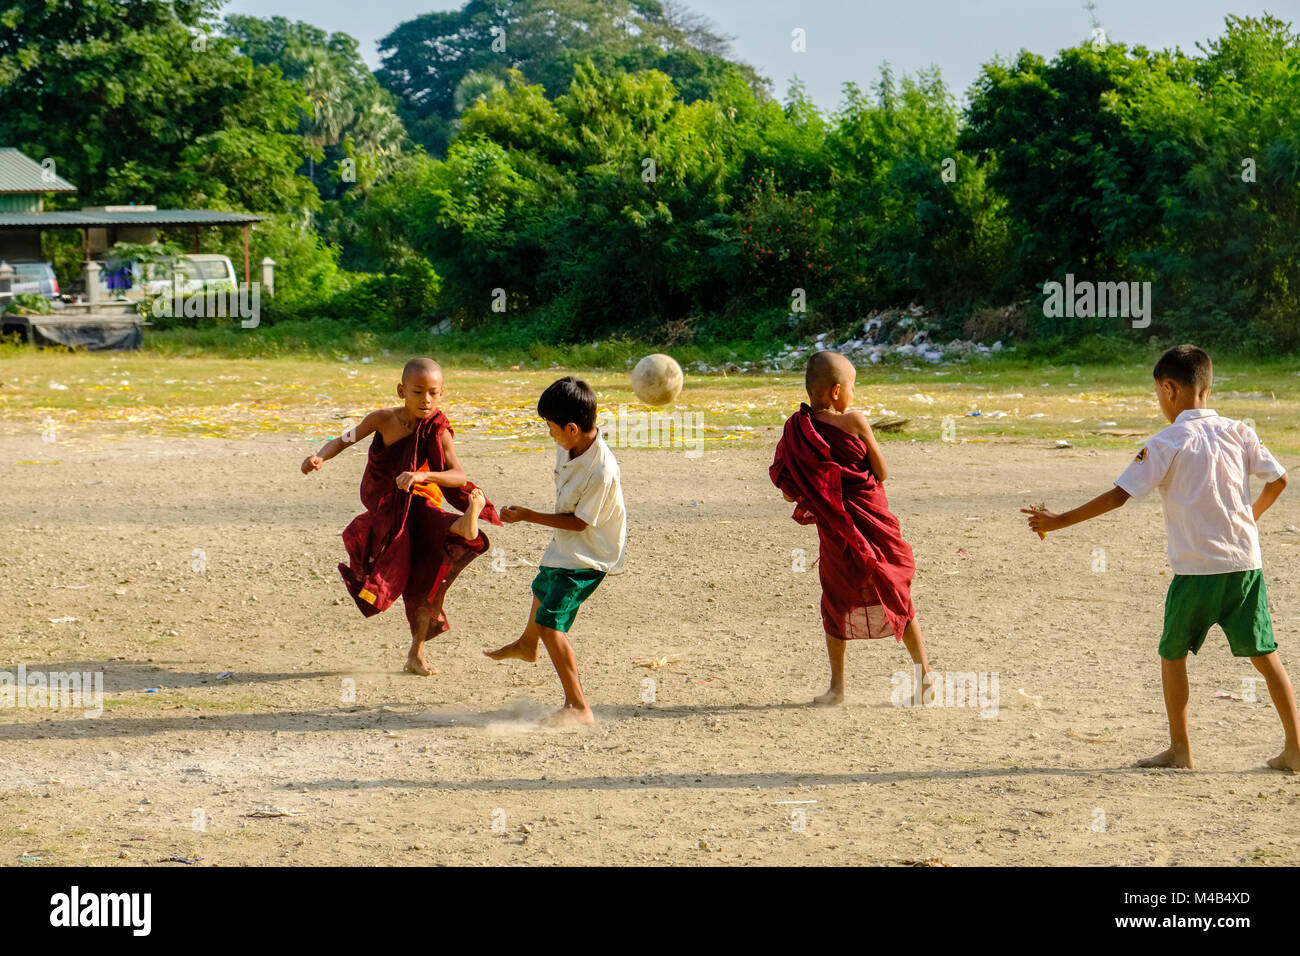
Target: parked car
{"points": [[36, 278], [200, 270]]}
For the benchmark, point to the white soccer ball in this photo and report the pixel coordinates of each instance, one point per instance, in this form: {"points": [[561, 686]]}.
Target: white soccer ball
{"points": [[657, 379]]}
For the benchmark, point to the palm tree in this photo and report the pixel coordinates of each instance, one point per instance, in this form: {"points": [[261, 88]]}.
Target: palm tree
{"points": [[331, 111]]}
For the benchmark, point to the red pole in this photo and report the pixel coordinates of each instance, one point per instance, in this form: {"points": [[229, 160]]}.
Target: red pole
{"points": [[246, 270]]}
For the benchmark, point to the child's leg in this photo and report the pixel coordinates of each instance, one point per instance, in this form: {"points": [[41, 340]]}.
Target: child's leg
{"points": [[836, 649], [915, 644], [914, 641], [415, 663], [575, 710], [1173, 677], [1279, 688], [525, 647], [466, 526]]}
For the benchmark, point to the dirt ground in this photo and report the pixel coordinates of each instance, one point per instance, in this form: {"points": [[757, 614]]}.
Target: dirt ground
{"points": [[185, 558]]}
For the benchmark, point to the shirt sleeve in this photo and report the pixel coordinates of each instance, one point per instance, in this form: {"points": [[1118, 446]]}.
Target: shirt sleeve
{"points": [[1260, 462], [595, 498], [1148, 468]]}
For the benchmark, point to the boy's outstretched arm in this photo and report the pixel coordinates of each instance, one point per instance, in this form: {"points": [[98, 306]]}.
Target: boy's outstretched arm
{"points": [[564, 522], [1043, 521], [1268, 495], [336, 445]]}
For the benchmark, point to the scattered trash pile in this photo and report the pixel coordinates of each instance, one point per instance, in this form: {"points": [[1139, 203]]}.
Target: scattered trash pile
{"points": [[896, 333]]}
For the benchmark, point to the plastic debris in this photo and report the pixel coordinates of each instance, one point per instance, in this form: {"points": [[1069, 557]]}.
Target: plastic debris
{"points": [[654, 663], [891, 334]]}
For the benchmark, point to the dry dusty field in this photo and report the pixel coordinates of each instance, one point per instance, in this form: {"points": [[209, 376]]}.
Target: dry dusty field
{"points": [[185, 556]]}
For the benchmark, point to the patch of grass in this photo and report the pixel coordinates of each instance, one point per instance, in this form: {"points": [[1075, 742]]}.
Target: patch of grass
{"points": [[172, 700], [493, 409], [244, 702]]}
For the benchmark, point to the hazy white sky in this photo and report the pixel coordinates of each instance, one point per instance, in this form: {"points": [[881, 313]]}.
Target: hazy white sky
{"points": [[847, 40]]}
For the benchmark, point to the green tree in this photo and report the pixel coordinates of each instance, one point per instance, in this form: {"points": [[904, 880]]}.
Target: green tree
{"points": [[347, 114], [149, 107], [1223, 131], [1073, 177], [914, 216], [426, 60]]}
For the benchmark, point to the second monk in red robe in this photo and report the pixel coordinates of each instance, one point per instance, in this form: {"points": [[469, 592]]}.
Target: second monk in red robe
{"points": [[829, 463]]}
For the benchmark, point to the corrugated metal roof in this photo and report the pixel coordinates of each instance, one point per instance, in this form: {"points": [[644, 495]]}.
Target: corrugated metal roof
{"points": [[158, 217], [19, 174]]}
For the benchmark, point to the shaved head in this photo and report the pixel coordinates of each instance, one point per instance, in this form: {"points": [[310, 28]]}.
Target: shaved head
{"points": [[425, 365], [825, 371]]}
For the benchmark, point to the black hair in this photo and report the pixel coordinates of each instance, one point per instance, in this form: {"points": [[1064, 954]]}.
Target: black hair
{"points": [[1187, 365], [568, 400], [421, 365]]}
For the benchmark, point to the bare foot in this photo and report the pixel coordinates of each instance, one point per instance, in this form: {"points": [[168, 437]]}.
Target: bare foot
{"points": [[1286, 760], [415, 665], [568, 717], [467, 524], [1168, 758], [832, 698], [515, 651]]}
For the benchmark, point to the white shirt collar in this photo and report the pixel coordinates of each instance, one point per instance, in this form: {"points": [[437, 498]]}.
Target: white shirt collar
{"points": [[1194, 413], [566, 460]]}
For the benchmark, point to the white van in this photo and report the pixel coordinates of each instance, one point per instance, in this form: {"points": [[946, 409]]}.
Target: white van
{"points": [[200, 271]]}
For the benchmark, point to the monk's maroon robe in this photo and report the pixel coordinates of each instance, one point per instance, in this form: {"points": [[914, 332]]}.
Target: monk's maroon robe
{"points": [[401, 545], [865, 565]]}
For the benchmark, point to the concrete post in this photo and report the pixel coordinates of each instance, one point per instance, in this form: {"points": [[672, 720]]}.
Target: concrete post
{"points": [[268, 275], [91, 273]]}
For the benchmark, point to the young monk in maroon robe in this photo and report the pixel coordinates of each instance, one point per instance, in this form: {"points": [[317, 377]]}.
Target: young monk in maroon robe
{"points": [[405, 543], [829, 463]]}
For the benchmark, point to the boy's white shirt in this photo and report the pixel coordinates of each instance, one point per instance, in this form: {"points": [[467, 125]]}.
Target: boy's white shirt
{"points": [[590, 487], [1202, 464]]}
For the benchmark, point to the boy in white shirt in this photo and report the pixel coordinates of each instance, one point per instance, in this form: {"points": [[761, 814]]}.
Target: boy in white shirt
{"points": [[1202, 465], [590, 525]]}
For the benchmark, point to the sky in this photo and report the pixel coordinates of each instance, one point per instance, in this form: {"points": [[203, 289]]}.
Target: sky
{"points": [[848, 40]]}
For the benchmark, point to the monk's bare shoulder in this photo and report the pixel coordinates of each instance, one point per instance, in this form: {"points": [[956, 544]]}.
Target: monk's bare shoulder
{"points": [[386, 422], [857, 423], [853, 422]]}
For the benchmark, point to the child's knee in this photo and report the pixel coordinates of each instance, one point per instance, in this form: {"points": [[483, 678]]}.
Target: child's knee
{"points": [[1264, 662]]}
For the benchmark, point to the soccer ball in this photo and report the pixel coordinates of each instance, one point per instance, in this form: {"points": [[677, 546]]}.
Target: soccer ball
{"points": [[657, 379]]}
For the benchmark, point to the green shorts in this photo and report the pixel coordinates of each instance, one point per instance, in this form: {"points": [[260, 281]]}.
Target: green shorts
{"points": [[560, 592], [1235, 601]]}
